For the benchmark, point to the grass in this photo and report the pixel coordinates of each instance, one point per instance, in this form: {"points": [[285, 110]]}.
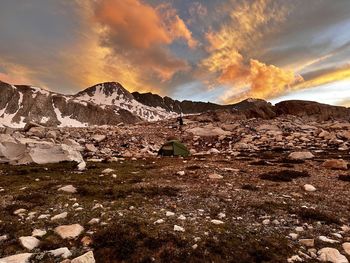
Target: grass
{"points": [[284, 175]]}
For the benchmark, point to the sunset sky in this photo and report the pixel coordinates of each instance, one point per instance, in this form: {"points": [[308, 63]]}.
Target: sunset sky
{"points": [[210, 50]]}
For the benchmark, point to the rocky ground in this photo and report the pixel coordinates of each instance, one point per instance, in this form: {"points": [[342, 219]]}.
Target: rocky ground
{"points": [[252, 191]]}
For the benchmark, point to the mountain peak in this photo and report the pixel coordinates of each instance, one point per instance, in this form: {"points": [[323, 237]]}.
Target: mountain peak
{"points": [[105, 93]]}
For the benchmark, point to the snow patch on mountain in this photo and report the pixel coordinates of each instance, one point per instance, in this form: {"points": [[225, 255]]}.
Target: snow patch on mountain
{"points": [[67, 121]]}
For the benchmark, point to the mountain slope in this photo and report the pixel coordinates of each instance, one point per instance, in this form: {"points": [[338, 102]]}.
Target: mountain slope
{"points": [[110, 104], [22, 104]]}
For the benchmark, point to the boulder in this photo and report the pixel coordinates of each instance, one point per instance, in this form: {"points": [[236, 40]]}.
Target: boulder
{"points": [[208, 130], [301, 155], [29, 242], [336, 164], [19, 258], [346, 247], [328, 254], [25, 151], [69, 231], [86, 258]]}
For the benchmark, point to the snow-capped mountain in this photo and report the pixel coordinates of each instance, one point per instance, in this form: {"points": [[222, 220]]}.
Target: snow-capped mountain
{"points": [[22, 104], [114, 94]]}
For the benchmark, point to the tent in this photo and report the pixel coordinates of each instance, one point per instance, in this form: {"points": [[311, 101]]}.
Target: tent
{"points": [[173, 147]]}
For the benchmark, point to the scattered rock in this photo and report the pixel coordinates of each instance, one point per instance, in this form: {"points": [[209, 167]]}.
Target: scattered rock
{"points": [[179, 228], [217, 222], [301, 155], [61, 252], [59, 216], [86, 258], [327, 240], [69, 231], [68, 189], [346, 247], [328, 254], [307, 242], [29, 242], [38, 233], [309, 188], [19, 258], [336, 164], [215, 176]]}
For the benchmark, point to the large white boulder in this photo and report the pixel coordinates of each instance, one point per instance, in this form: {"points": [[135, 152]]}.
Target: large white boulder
{"points": [[24, 151]]}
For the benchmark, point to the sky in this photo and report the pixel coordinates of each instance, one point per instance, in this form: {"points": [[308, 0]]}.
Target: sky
{"points": [[222, 51]]}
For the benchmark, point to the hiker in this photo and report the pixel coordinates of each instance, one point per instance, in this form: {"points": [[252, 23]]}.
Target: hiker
{"points": [[180, 120]]}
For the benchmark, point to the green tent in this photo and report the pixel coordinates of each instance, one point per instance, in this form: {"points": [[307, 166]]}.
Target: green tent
{"points": [[173, 147]]}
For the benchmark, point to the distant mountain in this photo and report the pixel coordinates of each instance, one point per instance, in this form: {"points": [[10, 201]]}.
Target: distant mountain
{"points": [[22, 104], [110, 104]]}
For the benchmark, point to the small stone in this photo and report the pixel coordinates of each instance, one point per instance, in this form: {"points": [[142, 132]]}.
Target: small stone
{"points": [[307, 242], [309, 188], [299, 229], [61, 252], [294, 236], [181, 217], [294, 258], [215, 176], [86, 258], [178, 228], [327, 240], [266, 222], [68, 189], [94, 221], [217, 222], [108, 171], [86, 241], [159, 221], [169, 213], [29, 242], [221, 215], [195, 246], [38, 233], [59, 216], [181, 173], [20, 211], [69, 231], [3, 238], [301, 155], [44, 216]]}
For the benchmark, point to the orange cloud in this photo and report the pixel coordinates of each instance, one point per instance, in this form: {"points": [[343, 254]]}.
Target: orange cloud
{"points": [[139, 33], [249, 22], [257, 80], [18, 74], [326, 76]]}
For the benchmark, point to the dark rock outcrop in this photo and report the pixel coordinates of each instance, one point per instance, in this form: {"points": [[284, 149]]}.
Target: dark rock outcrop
{"points": [[312, 110]]}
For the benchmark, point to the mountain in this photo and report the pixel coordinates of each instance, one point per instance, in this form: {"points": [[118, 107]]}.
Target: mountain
{"points": [[170, 105], [110, 104], [22, 104]]}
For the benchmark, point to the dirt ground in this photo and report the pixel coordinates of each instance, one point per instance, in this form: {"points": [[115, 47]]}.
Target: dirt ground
{"points": [[257, 203]]}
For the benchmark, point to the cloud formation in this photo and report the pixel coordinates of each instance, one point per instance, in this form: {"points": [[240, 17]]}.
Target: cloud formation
{"points": [[247, 77], [140, 33], [227, 49]]}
